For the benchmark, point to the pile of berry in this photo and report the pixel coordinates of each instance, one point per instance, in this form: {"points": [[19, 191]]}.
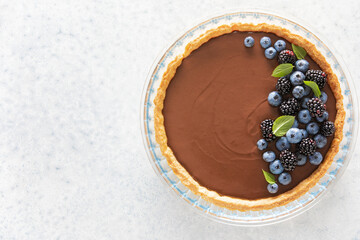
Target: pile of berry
{"points": [[293, 97], [265, 42]]}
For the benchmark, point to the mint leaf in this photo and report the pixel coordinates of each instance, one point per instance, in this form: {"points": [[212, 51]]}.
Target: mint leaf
{"points": [[314, 87], [282, 70], [299, 51], [269, 177], [282, 125]]}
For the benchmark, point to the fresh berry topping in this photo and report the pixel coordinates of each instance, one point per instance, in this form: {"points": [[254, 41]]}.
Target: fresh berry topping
{"points": [[320, 140], [288, 160], [302, 65], [307, 90], [316, 107], [304, 116], [298, 92], [274, 98], [249, 41], [283, 85], [316, 158], [323, 97], [296, 124], [265, 42], [317, 76], [276, 167], [290, 106], [282, 144], [280, 45], [262, 144], [297, 78], [287, 56], [301, 159], [312, 128], [284, 178], [327, 128], [304, 102], [304, 133], [269, 156], [266, 130], [307, 146], [270, 53], [324, 117], [294, 135], [272, 188]]}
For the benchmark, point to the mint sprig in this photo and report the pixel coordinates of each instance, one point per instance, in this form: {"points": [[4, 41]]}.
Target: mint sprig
{"points": [[269, 177], [282, 70], [299, 51], [282, 124], [314, 87]]}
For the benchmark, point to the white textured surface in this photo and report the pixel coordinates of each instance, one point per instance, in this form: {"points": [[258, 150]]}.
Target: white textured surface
{"points": [[72, 161]]}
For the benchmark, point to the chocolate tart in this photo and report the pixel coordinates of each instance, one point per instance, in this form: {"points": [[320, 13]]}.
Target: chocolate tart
{"points": [[208, 108]]}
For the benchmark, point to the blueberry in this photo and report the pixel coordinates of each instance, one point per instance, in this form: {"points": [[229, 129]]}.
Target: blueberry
{"points": [[320, 140], [304, 116], [282, 144], [304, 101], [284, 178], [249, 41], [304, 133], [312, 128], [302, 65], [307, 90], [269, 156], [265, 42], [270, 53], [294, 135], [274, 98], [296, 124], [262, 144], [324, 117], [280, 45], [298, 92], [272, 188], [301, 159], [276, 167], [297, 78], [323, 97], [316, 158]]}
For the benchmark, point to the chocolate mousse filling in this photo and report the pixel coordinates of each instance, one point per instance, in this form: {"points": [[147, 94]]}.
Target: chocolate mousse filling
{"points": [[212, 111]]}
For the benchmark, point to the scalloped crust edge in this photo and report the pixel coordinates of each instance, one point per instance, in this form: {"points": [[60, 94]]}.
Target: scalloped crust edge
{"points": [[240, 204]]}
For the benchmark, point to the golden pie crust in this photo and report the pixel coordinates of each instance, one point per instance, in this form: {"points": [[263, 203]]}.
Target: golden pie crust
{"points": [[240, 204]]}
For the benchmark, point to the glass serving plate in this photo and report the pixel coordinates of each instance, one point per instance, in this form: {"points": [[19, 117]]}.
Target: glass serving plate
{"points": [[159, 162]]}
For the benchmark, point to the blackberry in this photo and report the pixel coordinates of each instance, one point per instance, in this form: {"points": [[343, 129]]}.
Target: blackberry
{"points": [[288, 160], [266, 130], [327, 128], [287, 56], [290, 106], [317, 76], [316, 107], [307, 146], [283, 85]]}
